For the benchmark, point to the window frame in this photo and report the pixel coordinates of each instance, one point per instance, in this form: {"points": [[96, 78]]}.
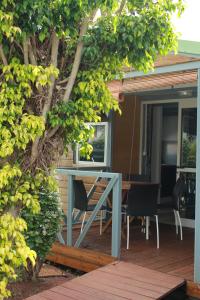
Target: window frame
{"points": [[91, 163]]}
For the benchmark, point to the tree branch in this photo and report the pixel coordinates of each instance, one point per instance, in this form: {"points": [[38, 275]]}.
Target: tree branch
{"points": [[47, 104], [75, 68], [25, 49], [78, 55], [54, 62], [62, 81], [119, 11], [2, 55], [31, 54], [19, 46], [52, 132], [34, 44]]}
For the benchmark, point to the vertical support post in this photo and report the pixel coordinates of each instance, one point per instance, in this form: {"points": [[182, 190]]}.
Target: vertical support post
{"points": [[116, 216], [197, 205], [70, 209]]}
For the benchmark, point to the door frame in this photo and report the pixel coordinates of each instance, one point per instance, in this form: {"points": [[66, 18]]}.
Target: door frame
{"points": [[146, 102], [182, 103]]}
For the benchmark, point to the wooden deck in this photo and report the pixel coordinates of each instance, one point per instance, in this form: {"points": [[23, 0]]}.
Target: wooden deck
{"points": [[119, 280], [175, 257]]}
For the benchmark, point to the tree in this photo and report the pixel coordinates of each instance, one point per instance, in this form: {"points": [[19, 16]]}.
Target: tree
{"points": [[57, 57]]}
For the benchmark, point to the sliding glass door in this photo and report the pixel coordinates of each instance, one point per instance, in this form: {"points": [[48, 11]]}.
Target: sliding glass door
{"points": [[168, 148], [186, 157]]}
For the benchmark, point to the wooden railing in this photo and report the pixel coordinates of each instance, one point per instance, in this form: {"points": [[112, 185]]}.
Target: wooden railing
{"points": [[114, 184]]}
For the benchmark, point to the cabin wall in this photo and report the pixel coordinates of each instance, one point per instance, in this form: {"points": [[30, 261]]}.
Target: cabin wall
{"points": [[126, 137], [66, 161], [115, 88], [126, 128]]}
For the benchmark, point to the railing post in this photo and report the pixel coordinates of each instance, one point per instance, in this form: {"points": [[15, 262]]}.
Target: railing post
{"points": [[70, 209], [116, 216], [197, 205]]}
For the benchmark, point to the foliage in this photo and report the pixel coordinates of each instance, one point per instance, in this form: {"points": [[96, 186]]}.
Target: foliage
{"points": [[13, 250], [17, 190], [43, 227], [57, 57], [188, 152]]}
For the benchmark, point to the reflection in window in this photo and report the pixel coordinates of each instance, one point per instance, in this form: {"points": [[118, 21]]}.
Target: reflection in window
{"points": [[187, 203], [188, 138], [99, 144]]}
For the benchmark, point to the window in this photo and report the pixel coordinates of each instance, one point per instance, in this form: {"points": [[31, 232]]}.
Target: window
{"points": [[188, 138], [99, 143]]}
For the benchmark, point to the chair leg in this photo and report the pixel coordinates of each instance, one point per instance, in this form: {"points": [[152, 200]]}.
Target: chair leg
{"points": [[127, 221], [157, 232], [101, 221], [180, 224], [83, 221], [147, 227], [143, 224], [176, 223]]}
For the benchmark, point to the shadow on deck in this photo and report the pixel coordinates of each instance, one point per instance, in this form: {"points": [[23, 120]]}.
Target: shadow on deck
{"points": [[174, 257]]}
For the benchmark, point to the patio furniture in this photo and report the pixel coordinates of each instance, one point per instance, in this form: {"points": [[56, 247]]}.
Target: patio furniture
{"points": [[142, 202], [81, 202], [173, 204], [126, 186]]}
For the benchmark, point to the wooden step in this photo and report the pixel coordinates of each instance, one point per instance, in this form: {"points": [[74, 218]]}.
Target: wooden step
{"points": [[193, 289], [78, 258], [117, 281]]}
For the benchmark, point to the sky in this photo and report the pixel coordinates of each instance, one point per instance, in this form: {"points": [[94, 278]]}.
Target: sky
{"points": [[188, 25]]}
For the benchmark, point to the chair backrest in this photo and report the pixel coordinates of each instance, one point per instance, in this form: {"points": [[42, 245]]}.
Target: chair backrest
{"points": [[136, 177], [179, 191], [80, 195], [142, 200]]}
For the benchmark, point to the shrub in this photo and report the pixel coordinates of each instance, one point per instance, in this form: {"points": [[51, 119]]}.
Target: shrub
{"points": [[42, 228]]}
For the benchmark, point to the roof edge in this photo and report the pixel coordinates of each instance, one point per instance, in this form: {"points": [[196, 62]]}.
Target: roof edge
{"points": [[191, 48]]}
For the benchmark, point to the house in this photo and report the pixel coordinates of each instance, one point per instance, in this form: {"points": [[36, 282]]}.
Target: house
{"points": [[157, 134]]}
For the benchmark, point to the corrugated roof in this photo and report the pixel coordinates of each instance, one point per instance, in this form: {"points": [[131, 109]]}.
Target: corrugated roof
{"points": [[159, 81], [168, 60], [188, 52]]}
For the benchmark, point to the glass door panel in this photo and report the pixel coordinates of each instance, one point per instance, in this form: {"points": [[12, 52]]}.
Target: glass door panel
{"points": [[187, 157], [187, 204], [188, 137]]}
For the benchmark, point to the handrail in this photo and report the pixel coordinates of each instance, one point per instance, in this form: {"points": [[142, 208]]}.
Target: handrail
{"points": [[113, 185]]}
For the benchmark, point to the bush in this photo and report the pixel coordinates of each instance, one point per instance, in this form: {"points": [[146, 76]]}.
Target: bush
{"points": [[42, 228]]}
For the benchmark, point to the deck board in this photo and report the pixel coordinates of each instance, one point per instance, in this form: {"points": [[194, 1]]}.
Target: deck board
{"points": [[119, 280], [172, 256]]}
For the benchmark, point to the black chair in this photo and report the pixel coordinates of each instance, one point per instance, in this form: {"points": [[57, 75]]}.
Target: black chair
{"points": [[135, 177], [81, 202], [132, 177], [173, 204], [142, 202]]}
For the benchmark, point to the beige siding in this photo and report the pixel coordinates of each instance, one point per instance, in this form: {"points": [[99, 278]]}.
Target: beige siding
{"points": [[67, 161]]}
